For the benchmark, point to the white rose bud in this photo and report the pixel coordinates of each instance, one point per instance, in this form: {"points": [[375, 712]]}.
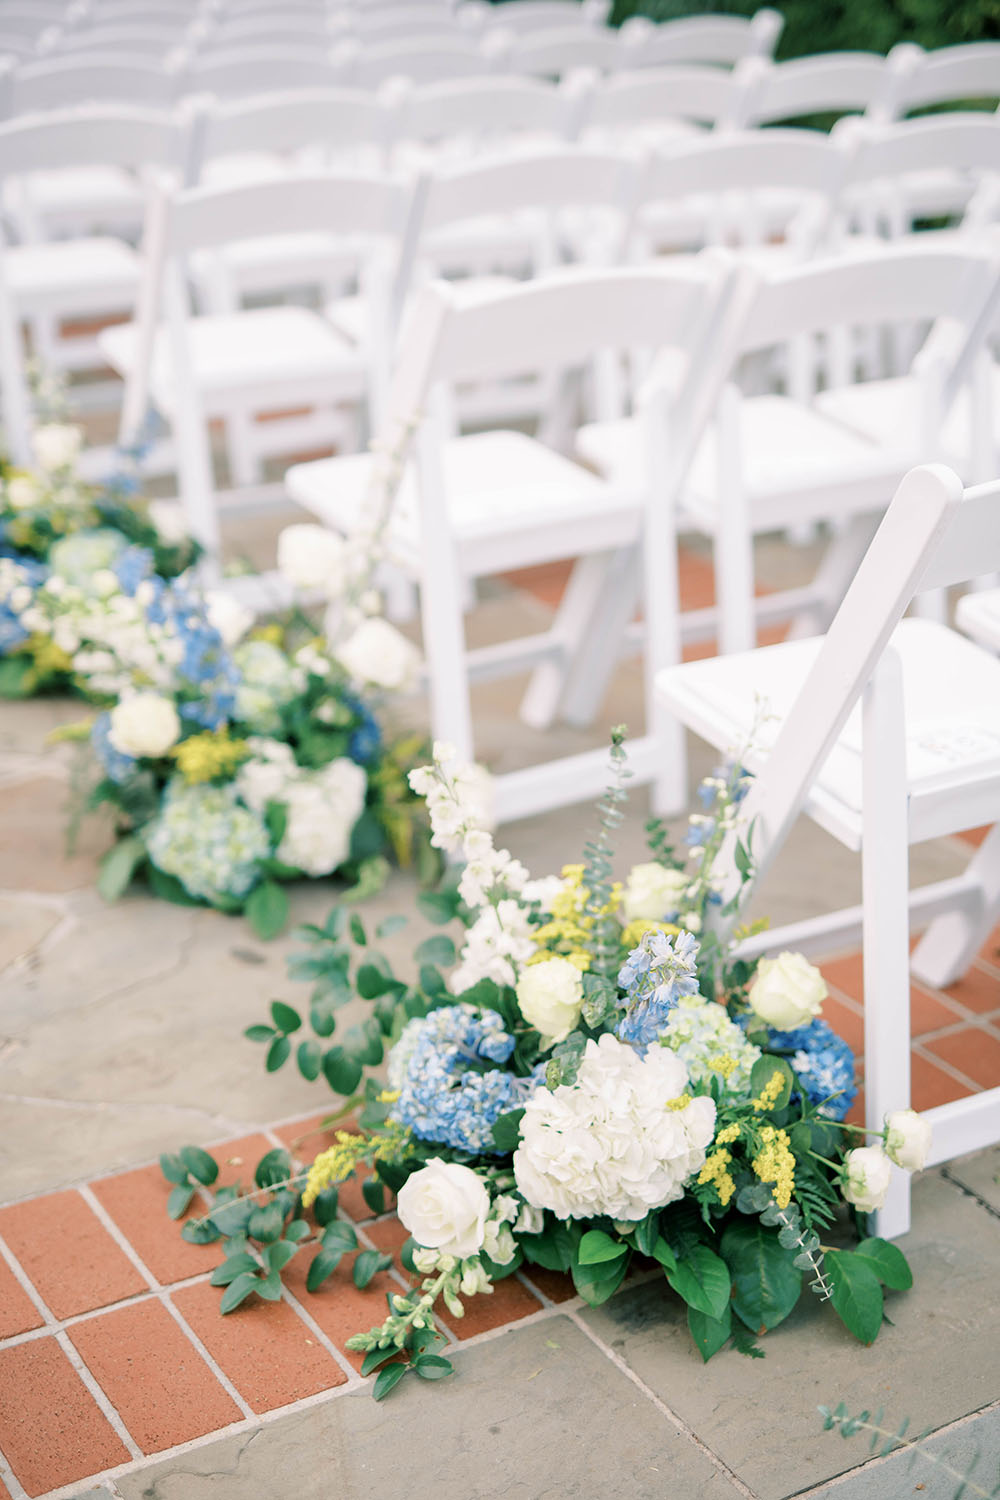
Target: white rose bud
{"points": [[444, 1206], [145, 725], [868, 1173], [907, 1139], [652, 892], [787, 991], [312, 557], [550, 996], [377, 653], [228, 616], [170, 521], [56, 446], [531, 1220]]}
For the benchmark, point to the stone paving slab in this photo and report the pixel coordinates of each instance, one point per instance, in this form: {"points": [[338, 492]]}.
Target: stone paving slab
{"points": [[971, 1447], [540, 1414], [979, 1173], [939, 1361]]}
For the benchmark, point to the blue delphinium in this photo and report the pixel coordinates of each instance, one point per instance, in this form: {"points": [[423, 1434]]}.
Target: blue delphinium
{"points": [[133, 566], [207, 670], [366, 737], [654, 977], [823, 1062], [447, 1091], [118, 766]]}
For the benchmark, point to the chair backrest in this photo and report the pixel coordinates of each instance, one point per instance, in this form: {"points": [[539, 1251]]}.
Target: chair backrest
{"points": [[553, 53], [332, 119], [424, 60], [25, 20], [285, 28], [15, 47], [885, 160], [952, 75], [384, 23], [152, 42], [242, 73], [709, 96], [480, 108], [833, 82], [93, 135], [525, 16], [700, 39], [99, 78], [933, 535]]}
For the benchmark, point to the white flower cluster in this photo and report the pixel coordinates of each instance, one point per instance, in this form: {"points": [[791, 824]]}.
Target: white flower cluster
{"points": [[322, 806], [56, 446], [268, 681], [653, 893], [496, 944], [113, 642], [376, 655], [459, 801], [204, 838], [703, 1036], [447, 1209], [621, 1140], [868, 1169], [81, 557], [787, 991]]}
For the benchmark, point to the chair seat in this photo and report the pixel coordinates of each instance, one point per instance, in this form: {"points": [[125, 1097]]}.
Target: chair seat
{"points": [[87, 195], [796, 464], [278, 261], [89, 275], [952, 694], [513, 502], [277, 354], [888, 412], [978, 615]]}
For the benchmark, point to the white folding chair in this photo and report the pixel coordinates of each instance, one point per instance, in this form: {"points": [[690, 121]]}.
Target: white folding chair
{"points": [[931, 167], [775, 461], [155, 43], [382, 23], [724, 40], [97, 78], [525, 16], [261, 359], [887, 732], [461, 118], [88, 277], [830, 83], [241, 72], [498, 500], [421, 59], [555, 53], [978, 615], [652, 104], [952, 75]]}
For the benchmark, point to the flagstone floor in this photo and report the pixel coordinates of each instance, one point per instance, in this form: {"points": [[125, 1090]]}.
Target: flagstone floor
{"points": [[120, 1037]]}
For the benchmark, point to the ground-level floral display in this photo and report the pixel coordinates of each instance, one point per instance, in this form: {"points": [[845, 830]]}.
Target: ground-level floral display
{"points": [[587, 1080]]}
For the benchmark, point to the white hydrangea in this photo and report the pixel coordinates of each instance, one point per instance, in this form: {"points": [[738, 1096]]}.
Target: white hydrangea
{"points": [[619, 1141], [268, 681], [22, 491], [204, 837], [323, 807], [496, 945], [701, 1034], [266, 775], [228, 616], [84, 556], [378, 654]]}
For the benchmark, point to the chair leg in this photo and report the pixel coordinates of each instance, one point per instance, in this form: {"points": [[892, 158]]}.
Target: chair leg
{"points": [[444, 649], [952, 941]]}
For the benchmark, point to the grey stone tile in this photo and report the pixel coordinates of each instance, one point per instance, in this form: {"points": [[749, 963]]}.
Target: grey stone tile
{"points": [[539, 1414], [940, 1360], [980, 1173], [972, 1448]]}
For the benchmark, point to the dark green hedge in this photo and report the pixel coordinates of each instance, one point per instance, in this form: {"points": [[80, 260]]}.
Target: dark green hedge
{"points": [[828, 25]]}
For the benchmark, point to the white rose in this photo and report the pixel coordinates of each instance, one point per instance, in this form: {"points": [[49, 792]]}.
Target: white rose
{"points": [[311, 557], [444, 1206], [228, 616], [56, 445], [868, 1173], [170, 521], [22, 492], [787, 991], [907, 1139], [144, 725], [379, 654], [653, 892], [550, 995]]}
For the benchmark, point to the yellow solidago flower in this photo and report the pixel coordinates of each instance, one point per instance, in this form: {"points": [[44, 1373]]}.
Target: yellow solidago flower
{"points": [[338, 1161], [632, 935], [775, 1163], [48, 657], [727, 1135], [724, 1064], [681, 1102], [716, 1171], [770, 1092], [204, 757], [20, 532], [274, 634]]}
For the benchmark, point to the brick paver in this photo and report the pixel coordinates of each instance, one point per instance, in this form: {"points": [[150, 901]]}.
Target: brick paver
{"points": [[68, 1254]]}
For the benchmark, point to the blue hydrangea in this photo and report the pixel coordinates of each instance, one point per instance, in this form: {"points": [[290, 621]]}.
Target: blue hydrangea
{"points": [[823, 1062], [446, 1093], [12, 632], [267, 682], [654, 977], [133, 567], [117, 766], [208, 675], [366, 737]]}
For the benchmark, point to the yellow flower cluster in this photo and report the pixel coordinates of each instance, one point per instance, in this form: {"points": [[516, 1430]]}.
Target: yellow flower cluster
{"points": [[632, 935], [203, 757], [338, 1161], [728, 1134], [568, 931], [681, 1102], [48, 657], [770, 1093], [273, 634], [724, 1064], [775, 1163], [716, 1171]]}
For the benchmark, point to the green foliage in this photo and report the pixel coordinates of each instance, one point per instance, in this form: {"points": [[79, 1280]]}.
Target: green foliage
{"points": [[766, 1286]]}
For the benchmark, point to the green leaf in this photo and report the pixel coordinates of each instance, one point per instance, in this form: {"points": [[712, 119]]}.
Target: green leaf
{"points": [[238, 1291], [507, 1130], [279, 1254], [596, 1246], [857, 1293], [367, 1265], [325, 1206], [391, 924], [596, 1283], [342, 1073], [386, 1380], [364, 1043], [266, 1223], [324, 1265], [200, 1232], [259, 1033], [438, 949], [179, 1201], [232, 1218], [432, 981], [358, 930], [169, 888], [286, 1018], [267, 909], [173, 1168], [663, 1253], [270, 1287], [118, 866], [277, 1054], [702, 1279], [339, 1236], [432, 1366], [372, 981], [709, 1334], [274, 1167], [888, 1262], [766, 1286], [373, 1192], [438, 906], [309, 1058], [235, 1266], [647, 1232], [276, 821], [376, 1357], [297, 1230], [201, 1166], [764, 1070]]}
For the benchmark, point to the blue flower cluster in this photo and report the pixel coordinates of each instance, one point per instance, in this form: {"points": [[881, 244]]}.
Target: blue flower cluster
{"points": [[443, 1098], [823, 1062], [654, 977], [366, 737], [12, 632], [118, 766]]}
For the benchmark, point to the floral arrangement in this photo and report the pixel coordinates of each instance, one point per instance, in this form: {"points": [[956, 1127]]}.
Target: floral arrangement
{"points": [[53, 524], [589, 1079]]}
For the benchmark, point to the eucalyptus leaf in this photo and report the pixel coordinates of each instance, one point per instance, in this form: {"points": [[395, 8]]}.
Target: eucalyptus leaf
{"points": [[201, 1166], [179, 1201], [238, 1291]]}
